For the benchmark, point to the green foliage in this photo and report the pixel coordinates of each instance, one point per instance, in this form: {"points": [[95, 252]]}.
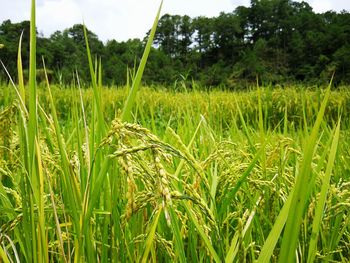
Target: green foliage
{"points": [[279, 41], [245, 193]]}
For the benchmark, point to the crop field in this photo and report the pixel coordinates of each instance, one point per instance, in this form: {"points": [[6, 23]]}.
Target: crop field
{"points": [[147, 174], [202, 176]]}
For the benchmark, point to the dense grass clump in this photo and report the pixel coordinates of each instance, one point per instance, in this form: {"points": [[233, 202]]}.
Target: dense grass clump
{"points": [[122, 175], [185, 175], [296, 104]]}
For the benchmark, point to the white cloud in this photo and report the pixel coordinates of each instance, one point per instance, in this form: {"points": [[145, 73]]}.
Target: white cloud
{"points": [[198, 7], [321, 6], [17, 10], [57, 15]]}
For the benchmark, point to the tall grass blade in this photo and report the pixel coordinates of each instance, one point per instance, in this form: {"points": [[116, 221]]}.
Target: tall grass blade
{"points": [[126, 113], [20, 71], [302, 185], [231, 194], [275, 233], [3, 256], [179, 245], [32, 84], [233, 250], [42, 243], [201, 232], [322, 200], [33, 192], [151, 235], [97, 93], [71, 192]]}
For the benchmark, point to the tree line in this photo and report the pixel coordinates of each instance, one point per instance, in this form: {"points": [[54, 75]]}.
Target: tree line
{"points": [[278, 41]]}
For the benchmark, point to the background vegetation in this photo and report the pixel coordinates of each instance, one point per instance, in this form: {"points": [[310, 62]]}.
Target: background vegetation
{"points": [[281, 41]]}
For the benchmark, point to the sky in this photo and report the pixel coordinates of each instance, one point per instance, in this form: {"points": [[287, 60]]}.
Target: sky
{"points": [[125, 19]]}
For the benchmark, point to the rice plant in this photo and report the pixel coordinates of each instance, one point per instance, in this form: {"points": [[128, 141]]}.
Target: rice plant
{"points": [[136, 174]]}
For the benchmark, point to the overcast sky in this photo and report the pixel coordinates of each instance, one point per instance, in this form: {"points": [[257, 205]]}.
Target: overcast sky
{"points": [[125, 19]]}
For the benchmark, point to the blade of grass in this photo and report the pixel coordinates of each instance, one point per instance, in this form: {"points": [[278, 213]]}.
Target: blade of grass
{"points": [[26, 242], [71, 192], [96, 91], [244, 125], [3, 256], [201, 232], [275, 233], [302, 185], [20, 71], [231, 194], [33, 193], [322, 200], [261, 131], [126, 113], [179, 245], [42, 244], [32, 123], [151, 235]]}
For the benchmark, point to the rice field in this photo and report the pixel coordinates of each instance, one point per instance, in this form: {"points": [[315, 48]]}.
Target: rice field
{"points": [[144, 174]]}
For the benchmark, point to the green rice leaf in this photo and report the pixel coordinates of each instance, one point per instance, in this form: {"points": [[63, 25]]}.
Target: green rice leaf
{"points": [[303, 184], [126, 113], [323, 194], [151, 235], [201, 232], [275, 233]]}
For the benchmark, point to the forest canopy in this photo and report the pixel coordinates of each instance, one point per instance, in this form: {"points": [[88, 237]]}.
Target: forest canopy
{"points": [[279, 41]]}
